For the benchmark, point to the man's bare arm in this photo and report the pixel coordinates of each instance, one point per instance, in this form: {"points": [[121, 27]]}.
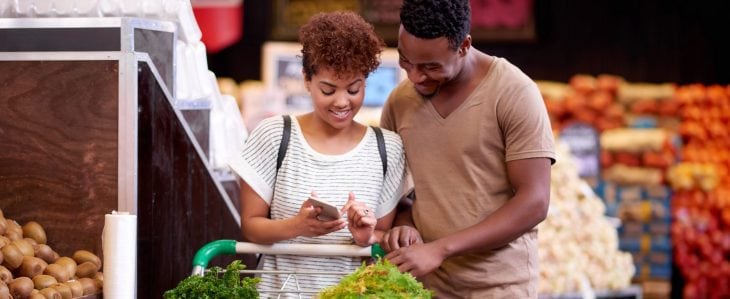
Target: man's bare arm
{"points": [[527, 208]]}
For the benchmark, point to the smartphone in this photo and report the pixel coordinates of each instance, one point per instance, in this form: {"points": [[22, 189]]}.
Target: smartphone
{"points": [[329, 211]]}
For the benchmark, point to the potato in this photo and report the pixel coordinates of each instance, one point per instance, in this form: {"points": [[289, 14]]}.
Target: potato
{"points": [[43, 281], [14, 235], [67, 263], [21, 287], [37, 295], [64, 290], [24, 247], [30, 241], [89, 286], [99, 283], [4, 291], [3, 226], [13, 226], [32, 266], [4, 241], [13, 230], [45, 253], [77, 290], [81, 256], [34, 231], [12, 256], [50, 293], [5, 275], [59, 272], [86, 269]]}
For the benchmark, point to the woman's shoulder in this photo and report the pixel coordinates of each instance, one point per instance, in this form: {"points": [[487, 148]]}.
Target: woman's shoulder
{"points": [[392, 139], [272, 123]]}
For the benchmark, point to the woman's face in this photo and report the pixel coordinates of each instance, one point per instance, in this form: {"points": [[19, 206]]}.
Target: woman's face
{"points": [[336, 100]]}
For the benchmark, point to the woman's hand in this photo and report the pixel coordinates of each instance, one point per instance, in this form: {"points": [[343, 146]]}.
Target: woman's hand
{"points": [[361, 221], [307, 224]]}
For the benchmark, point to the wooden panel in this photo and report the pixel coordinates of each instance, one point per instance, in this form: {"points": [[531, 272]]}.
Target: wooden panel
{"points": [[180, 209], [58, 148]]}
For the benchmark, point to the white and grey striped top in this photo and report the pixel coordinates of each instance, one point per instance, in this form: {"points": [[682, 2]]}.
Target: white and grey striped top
{"points": [[332, 176]]}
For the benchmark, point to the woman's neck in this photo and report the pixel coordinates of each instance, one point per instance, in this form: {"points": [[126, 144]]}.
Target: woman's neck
{"points": [[326, 139]]}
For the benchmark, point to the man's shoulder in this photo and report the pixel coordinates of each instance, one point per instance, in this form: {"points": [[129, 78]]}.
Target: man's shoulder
{"points": [[403, 95], [511, 74], [403, 90]]}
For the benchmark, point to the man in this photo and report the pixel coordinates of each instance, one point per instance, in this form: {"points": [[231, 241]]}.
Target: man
{"points": [[479, 146]]}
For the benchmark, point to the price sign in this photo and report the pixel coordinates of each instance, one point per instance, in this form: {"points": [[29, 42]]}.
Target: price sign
{"points": [[583, 142]]}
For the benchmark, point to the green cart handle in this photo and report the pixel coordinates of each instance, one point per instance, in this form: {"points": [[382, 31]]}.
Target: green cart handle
{"points": [[215, 248], [209, 251]]}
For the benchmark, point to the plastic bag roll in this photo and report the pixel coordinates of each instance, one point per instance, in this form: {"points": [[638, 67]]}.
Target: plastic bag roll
{"points": [[119, 242]]}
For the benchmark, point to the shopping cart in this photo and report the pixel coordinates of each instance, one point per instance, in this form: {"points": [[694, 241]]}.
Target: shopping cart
{"points": [[220, 247]]}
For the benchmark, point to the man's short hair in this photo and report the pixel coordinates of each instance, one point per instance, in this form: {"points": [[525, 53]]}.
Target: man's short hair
{"points": [[430, 19]]}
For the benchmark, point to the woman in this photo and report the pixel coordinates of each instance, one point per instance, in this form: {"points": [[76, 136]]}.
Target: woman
{"points": [[329, 156]]}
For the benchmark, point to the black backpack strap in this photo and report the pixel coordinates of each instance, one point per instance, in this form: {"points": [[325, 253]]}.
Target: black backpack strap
{"points": [[381, 149], [284, 145]]}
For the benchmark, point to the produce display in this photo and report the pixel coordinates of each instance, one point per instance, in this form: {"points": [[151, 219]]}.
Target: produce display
{"points": [[637, 156], [216, 284], [687, 176], [378, 280], [32, 269], [585, 99], [701, 209], [578, 246], [609, 102]]}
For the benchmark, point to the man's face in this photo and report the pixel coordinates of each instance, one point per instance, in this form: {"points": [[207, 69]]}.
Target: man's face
{"points": [[429, 63]]}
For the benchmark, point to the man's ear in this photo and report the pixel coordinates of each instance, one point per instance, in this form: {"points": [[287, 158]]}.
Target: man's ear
{"points": [[465, 45]]}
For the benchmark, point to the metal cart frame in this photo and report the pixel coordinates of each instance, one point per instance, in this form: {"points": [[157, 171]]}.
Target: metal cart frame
{"points": [[220, 247]]}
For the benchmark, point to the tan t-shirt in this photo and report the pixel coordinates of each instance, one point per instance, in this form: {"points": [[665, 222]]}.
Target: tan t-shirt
{"points": [[458, 164]]}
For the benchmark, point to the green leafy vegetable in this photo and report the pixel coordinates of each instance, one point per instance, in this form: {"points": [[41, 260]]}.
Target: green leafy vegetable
{"points": [[213, 285], [379, 280]]}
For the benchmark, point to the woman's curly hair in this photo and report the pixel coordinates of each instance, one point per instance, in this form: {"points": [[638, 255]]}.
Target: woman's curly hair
{"points": [[342, 41], [429, 19]]}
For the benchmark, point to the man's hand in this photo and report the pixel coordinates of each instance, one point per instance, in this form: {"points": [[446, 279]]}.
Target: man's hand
{"points": [[418, 259], [400, 236]]}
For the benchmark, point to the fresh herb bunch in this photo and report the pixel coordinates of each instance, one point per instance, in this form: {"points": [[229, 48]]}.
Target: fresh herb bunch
{"points": [[379, 280], [213, 285]]}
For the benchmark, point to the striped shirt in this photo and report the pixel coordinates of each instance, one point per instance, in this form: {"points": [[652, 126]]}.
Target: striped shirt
{"points": [[333, 177]]}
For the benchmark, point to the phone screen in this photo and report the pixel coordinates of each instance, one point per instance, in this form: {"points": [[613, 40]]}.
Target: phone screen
{"points": [[329, 211]]}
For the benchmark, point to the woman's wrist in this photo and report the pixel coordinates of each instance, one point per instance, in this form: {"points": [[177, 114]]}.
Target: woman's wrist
{"points": [[293, 228]]}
